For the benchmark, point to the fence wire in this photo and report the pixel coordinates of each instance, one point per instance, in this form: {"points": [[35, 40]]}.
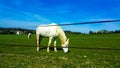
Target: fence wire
{"points": [[60, 47], [92, 22]]}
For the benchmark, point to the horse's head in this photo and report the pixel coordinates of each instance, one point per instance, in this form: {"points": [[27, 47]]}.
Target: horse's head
{"points": [[65, 46]]}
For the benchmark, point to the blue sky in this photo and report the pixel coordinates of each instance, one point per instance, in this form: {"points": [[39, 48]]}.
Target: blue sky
{"points": [[27, 13]]}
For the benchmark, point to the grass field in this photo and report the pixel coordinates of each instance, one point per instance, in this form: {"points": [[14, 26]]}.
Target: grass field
{"points": [[20, 52]]}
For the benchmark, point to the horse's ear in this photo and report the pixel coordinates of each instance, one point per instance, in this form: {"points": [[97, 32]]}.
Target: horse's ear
{"points": [[68, 39]]}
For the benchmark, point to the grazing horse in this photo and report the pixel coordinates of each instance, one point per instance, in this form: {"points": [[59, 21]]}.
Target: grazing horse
{"points": [[52, 31], [29, 35]]}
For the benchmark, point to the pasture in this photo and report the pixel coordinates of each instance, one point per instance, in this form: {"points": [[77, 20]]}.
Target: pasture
{"points": [[19, 51]]}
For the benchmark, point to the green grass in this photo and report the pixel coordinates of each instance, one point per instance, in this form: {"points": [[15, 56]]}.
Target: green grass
{"points": [[20, 52]]}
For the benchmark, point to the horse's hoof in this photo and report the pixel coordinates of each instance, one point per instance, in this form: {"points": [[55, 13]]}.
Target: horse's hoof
{"points": [[56, 51], [37, 49], [47, 51]]}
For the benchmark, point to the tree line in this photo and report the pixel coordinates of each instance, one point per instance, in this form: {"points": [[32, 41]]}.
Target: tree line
{"points": [[14, 30], [104, 32], [26, 31]]}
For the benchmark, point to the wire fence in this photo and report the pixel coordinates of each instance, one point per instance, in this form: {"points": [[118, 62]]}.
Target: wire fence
{"points": [[60, 47], [92, 22]]}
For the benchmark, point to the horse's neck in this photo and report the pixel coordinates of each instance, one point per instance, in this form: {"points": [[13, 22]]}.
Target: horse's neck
{"points": [[62, 35]]}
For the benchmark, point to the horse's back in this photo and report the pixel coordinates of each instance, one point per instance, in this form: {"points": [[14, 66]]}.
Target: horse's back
{"points": [[47, 30]]}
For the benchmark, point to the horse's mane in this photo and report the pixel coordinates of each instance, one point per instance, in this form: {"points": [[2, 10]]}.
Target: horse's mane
{"points": [[61, 34]]}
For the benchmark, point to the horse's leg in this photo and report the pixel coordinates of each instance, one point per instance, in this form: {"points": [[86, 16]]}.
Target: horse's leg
{"points": [[28, 36], [50, 40], [38, 42], [55, 49]]}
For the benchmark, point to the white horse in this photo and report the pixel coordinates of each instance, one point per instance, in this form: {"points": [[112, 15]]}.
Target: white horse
{"points": [[18, 33], [29, 35], [52, 31]]}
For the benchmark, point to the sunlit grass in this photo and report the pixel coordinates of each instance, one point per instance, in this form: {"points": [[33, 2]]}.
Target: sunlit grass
{"points": [[20, 52]]}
